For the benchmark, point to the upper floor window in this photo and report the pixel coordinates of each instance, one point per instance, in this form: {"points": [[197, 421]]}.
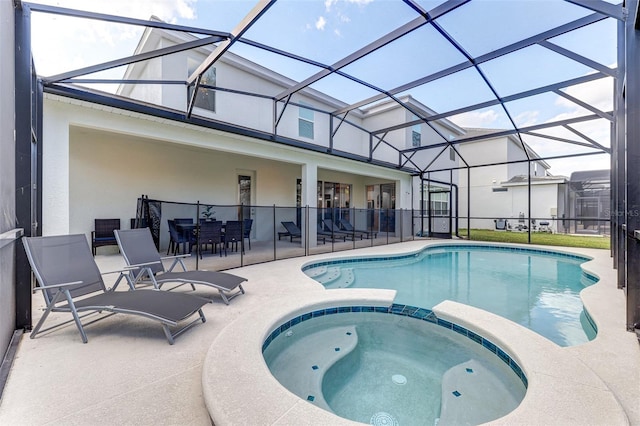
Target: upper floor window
{"points": [[206, 98], [305, 122], [416, 136]]}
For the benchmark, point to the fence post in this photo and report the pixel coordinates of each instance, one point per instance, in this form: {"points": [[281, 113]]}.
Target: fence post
{"points": [[198, 247]]}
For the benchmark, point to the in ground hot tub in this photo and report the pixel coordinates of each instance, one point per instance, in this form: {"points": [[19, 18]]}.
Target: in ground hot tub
{"points": [[399, 365]]}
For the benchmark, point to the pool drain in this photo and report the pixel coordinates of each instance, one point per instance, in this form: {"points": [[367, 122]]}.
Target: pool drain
{"points": [[383, 419], [399, 379]]}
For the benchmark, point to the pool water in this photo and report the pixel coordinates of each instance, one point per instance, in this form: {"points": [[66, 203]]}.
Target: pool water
{"points": [[391, 370], [537, 289]]}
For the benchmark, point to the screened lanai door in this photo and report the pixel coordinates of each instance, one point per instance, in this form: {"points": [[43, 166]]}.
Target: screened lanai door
{"points": [[440, 220]]}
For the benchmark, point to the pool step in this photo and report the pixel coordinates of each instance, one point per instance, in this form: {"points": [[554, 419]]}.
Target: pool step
{"points": [[316, 271], [343, 278], [302, 365], [332, 276], [473, 394]]}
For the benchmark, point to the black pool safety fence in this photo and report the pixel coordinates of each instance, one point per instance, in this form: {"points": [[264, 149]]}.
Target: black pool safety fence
{"points": [[256, 234], [229, 236]]}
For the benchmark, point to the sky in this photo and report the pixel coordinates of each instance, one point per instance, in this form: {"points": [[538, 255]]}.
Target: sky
{"points": [[330, 30]]}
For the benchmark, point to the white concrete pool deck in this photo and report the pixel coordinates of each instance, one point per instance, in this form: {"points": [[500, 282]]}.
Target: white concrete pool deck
{"points": [[128, 374]]}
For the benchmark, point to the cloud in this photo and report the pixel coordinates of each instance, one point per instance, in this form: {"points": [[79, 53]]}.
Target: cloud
{"points": [[526, 118], [360, 2], [328, 4], [481, 119], [320, 23]]}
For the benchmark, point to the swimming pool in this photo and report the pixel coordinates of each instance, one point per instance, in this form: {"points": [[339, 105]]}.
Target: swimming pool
{"points": [[538, 289], [407, 368]]}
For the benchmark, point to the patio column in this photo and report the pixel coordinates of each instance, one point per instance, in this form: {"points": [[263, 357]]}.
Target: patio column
{"points": [[310, 199], [55, 172]]}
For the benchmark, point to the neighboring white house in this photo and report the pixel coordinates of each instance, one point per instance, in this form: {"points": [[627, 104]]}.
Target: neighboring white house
{"points": [[501, 191]]}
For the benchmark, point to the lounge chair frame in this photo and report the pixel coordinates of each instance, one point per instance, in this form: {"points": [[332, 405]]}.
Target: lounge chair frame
{"points": [[63, 296], [136, 244]]}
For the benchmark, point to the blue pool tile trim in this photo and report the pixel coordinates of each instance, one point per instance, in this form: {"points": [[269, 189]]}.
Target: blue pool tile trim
{"points": [[452, 248], [408, 311]]}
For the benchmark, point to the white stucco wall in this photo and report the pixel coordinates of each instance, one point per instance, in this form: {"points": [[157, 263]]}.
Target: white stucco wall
{"points": [[544, 198], [484, 202]]}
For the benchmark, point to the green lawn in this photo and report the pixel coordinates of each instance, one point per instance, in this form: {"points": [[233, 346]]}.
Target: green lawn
{"points": [[541, 238]]}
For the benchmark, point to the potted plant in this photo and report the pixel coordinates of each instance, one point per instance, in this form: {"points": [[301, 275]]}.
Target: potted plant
{"points": [[208, 213]]}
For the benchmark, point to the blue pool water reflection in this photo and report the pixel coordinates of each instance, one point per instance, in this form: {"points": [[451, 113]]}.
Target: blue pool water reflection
{"points": [[537, 289]]}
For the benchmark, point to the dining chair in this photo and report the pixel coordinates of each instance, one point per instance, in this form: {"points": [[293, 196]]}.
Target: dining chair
{"points": [[211, 233], [246, 232], [233, 234]]}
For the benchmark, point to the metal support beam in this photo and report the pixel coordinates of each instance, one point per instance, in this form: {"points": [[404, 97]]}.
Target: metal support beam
{"points": [[559, 139], [579, 23], [618, 161], [511, 132], [578, 58], [588, 139], [26, 161], [632, 94], [584, 105], [602, 7], [373, 46], [506, 99]]}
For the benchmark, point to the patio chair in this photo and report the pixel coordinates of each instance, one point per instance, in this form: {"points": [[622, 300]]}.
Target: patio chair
{"points": [[292, 231], [332, 227], [139, 252], [102, 235], [178, 236], [233, 235], [246, 232], [211, 233], [71, 282], [348, 227]]}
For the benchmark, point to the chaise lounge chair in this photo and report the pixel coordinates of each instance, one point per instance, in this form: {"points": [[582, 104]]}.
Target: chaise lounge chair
{"points": [[292, 231], [332, 227], [348, 227], [71, 282], [140, 254], [330, 235]]}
